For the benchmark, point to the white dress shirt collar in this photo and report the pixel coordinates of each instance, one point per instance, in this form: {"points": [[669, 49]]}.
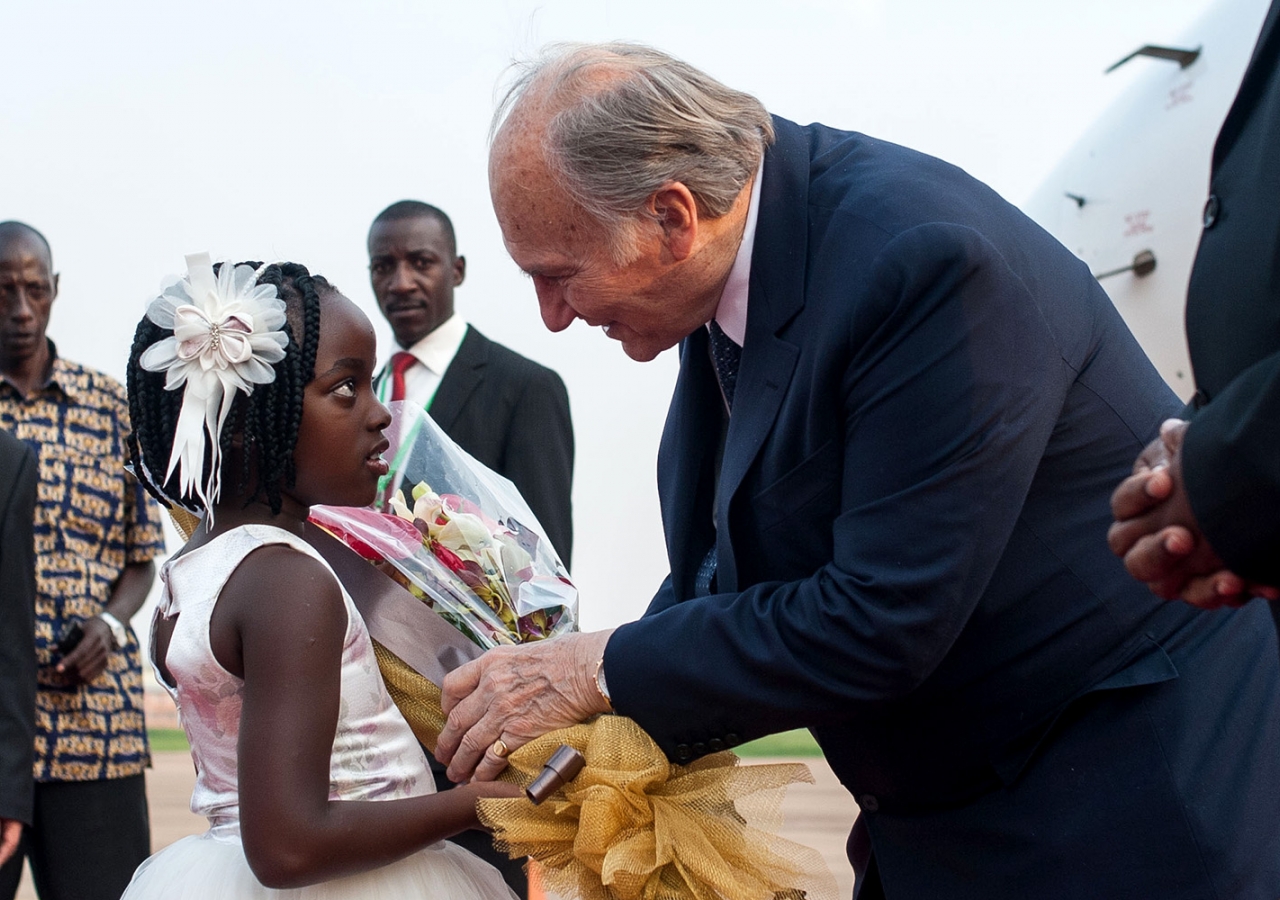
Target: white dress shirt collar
{"points": [[732, 311], [437, 349]]}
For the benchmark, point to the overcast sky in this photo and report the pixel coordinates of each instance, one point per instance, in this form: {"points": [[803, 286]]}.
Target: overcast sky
{"points": [[134, 133]]}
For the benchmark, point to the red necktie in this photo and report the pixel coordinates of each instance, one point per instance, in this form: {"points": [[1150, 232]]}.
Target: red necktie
{"points": [[400, 363]]}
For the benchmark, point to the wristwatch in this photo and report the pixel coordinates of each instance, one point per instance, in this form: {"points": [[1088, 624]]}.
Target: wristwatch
{"points": [[118, 633], [601, 685]]}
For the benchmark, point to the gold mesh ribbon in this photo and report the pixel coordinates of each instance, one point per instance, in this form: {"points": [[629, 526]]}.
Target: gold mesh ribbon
{"points": [[632, 826], [417, 698]]}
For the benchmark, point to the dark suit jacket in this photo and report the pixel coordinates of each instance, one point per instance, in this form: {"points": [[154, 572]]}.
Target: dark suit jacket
{"points": [[513, 415], [1231, 457], [17, 627], [934, 403]]}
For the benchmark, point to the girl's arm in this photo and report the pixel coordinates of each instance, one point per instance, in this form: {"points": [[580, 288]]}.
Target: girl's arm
{"points": [[280, 623]]}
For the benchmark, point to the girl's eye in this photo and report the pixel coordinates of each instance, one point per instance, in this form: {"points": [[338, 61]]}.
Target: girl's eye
{"points": [[346, 389]]}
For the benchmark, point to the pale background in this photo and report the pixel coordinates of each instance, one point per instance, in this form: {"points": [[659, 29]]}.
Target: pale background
{"points": [[134, 133]]}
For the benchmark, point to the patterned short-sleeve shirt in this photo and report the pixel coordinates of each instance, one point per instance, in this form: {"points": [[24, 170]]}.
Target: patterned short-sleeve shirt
{"points": [[92, 518]]}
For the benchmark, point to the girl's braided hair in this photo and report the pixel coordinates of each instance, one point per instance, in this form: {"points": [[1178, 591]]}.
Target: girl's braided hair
{"points": [[267, 419]]}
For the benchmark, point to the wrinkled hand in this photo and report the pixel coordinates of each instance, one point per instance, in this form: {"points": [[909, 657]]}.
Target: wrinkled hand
{"points": [[10, 834], [517, 694], [89, 659]]}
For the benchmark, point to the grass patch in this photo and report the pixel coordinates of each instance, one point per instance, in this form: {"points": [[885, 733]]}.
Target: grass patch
{"points": [[789, 743], [165, 740]]}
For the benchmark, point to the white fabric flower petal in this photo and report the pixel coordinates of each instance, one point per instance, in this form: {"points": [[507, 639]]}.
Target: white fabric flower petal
{"points": [[160, 355], [226, 338]]}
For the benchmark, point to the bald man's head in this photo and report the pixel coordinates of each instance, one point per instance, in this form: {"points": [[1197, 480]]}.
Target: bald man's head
{"points": [[28, 287], [20, 232]]}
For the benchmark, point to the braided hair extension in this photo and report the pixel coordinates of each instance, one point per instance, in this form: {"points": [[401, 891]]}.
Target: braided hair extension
{"points": [[267, 420]]}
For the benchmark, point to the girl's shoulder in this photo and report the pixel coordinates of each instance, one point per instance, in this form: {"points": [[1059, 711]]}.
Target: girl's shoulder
{"points": [[258, 559]]}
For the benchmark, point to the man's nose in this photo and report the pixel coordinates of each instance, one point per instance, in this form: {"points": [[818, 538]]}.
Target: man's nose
{"points": [[402, 279], [557, 315], [18, 307]]}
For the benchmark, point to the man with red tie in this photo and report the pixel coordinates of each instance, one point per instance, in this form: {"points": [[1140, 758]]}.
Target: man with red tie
{"points": [[509, 412], [505, 410]]}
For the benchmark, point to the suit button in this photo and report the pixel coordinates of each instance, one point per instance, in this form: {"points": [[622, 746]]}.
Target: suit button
{"points": [[715, 745], [868, 803], [732, 739], [1212, 210], [683, 753]]}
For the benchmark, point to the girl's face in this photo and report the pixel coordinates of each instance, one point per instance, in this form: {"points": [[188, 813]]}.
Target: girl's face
{"points": [[338, 457]]}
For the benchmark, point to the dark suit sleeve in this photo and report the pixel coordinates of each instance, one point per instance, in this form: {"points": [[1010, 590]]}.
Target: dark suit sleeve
{"points": [[951, 390], [1231, 467], [538, 456], [17, 633]]}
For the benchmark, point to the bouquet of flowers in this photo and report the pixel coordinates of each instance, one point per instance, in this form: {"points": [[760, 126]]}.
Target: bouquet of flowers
{"points": [[477, 574], [464, 541]]}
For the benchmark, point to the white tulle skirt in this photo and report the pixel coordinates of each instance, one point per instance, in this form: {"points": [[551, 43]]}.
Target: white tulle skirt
{"points": [[205, 868]]}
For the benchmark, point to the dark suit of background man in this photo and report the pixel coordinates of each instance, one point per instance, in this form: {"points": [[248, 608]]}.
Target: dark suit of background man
{"points": [[1222, 482], [96, 534], [17, 639], [886, 520], [507, 411]]}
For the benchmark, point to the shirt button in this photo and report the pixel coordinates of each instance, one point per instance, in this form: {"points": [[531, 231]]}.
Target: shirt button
{"points": [[732, 739], [683, 753], [869, 803], [715, 745], [699, 749], [1212, 210]]}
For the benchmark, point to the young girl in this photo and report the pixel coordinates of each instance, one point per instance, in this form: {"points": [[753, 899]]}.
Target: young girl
{"points": [[251, 398]]}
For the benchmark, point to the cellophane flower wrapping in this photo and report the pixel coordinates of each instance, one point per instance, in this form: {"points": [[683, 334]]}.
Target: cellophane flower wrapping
{"points": [[459, 537]]}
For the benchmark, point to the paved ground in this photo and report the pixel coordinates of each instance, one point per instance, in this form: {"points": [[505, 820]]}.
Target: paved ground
{"points": [[818, 815]]}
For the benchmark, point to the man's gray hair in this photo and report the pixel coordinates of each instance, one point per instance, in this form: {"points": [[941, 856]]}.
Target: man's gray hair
{"points": [[627, 119]]}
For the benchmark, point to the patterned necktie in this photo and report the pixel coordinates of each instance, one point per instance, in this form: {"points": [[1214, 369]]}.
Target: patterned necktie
{"points": [[400, 363], [726, 355]]}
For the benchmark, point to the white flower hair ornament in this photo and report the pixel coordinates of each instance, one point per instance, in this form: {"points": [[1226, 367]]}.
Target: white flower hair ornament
{"points": [[226, 335]]}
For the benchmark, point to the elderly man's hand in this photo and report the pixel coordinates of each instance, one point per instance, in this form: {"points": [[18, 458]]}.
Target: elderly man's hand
{"points": [[516, 694]]}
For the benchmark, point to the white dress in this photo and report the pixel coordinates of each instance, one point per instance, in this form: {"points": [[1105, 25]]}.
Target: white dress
{"points": [[375, 756]]}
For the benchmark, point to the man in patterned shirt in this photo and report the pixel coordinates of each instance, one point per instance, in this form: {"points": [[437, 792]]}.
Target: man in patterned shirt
{"points": [[96, 534]]}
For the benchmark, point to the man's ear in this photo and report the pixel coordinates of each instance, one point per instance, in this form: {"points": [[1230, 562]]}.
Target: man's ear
{"points": [[56, 276], [674, 208], [459, 270]]}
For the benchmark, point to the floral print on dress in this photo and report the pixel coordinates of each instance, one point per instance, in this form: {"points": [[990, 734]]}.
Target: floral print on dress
{"points": [[375, 755]]}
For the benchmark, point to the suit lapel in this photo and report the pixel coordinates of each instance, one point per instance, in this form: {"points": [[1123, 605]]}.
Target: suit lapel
{"points": [[461, 379], [776, 295], [1253, 85]]}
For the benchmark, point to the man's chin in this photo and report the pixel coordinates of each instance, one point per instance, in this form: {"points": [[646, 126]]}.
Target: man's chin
{"points": [[641, 352]]}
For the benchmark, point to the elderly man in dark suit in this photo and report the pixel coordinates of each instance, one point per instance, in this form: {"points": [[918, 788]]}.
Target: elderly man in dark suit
{"points": [[505, 410], [17, 640], [1201, 517], [884, 477]]}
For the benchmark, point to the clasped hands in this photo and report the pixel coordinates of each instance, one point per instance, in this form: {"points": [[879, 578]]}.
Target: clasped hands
{"points": [[1156, 533]]}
